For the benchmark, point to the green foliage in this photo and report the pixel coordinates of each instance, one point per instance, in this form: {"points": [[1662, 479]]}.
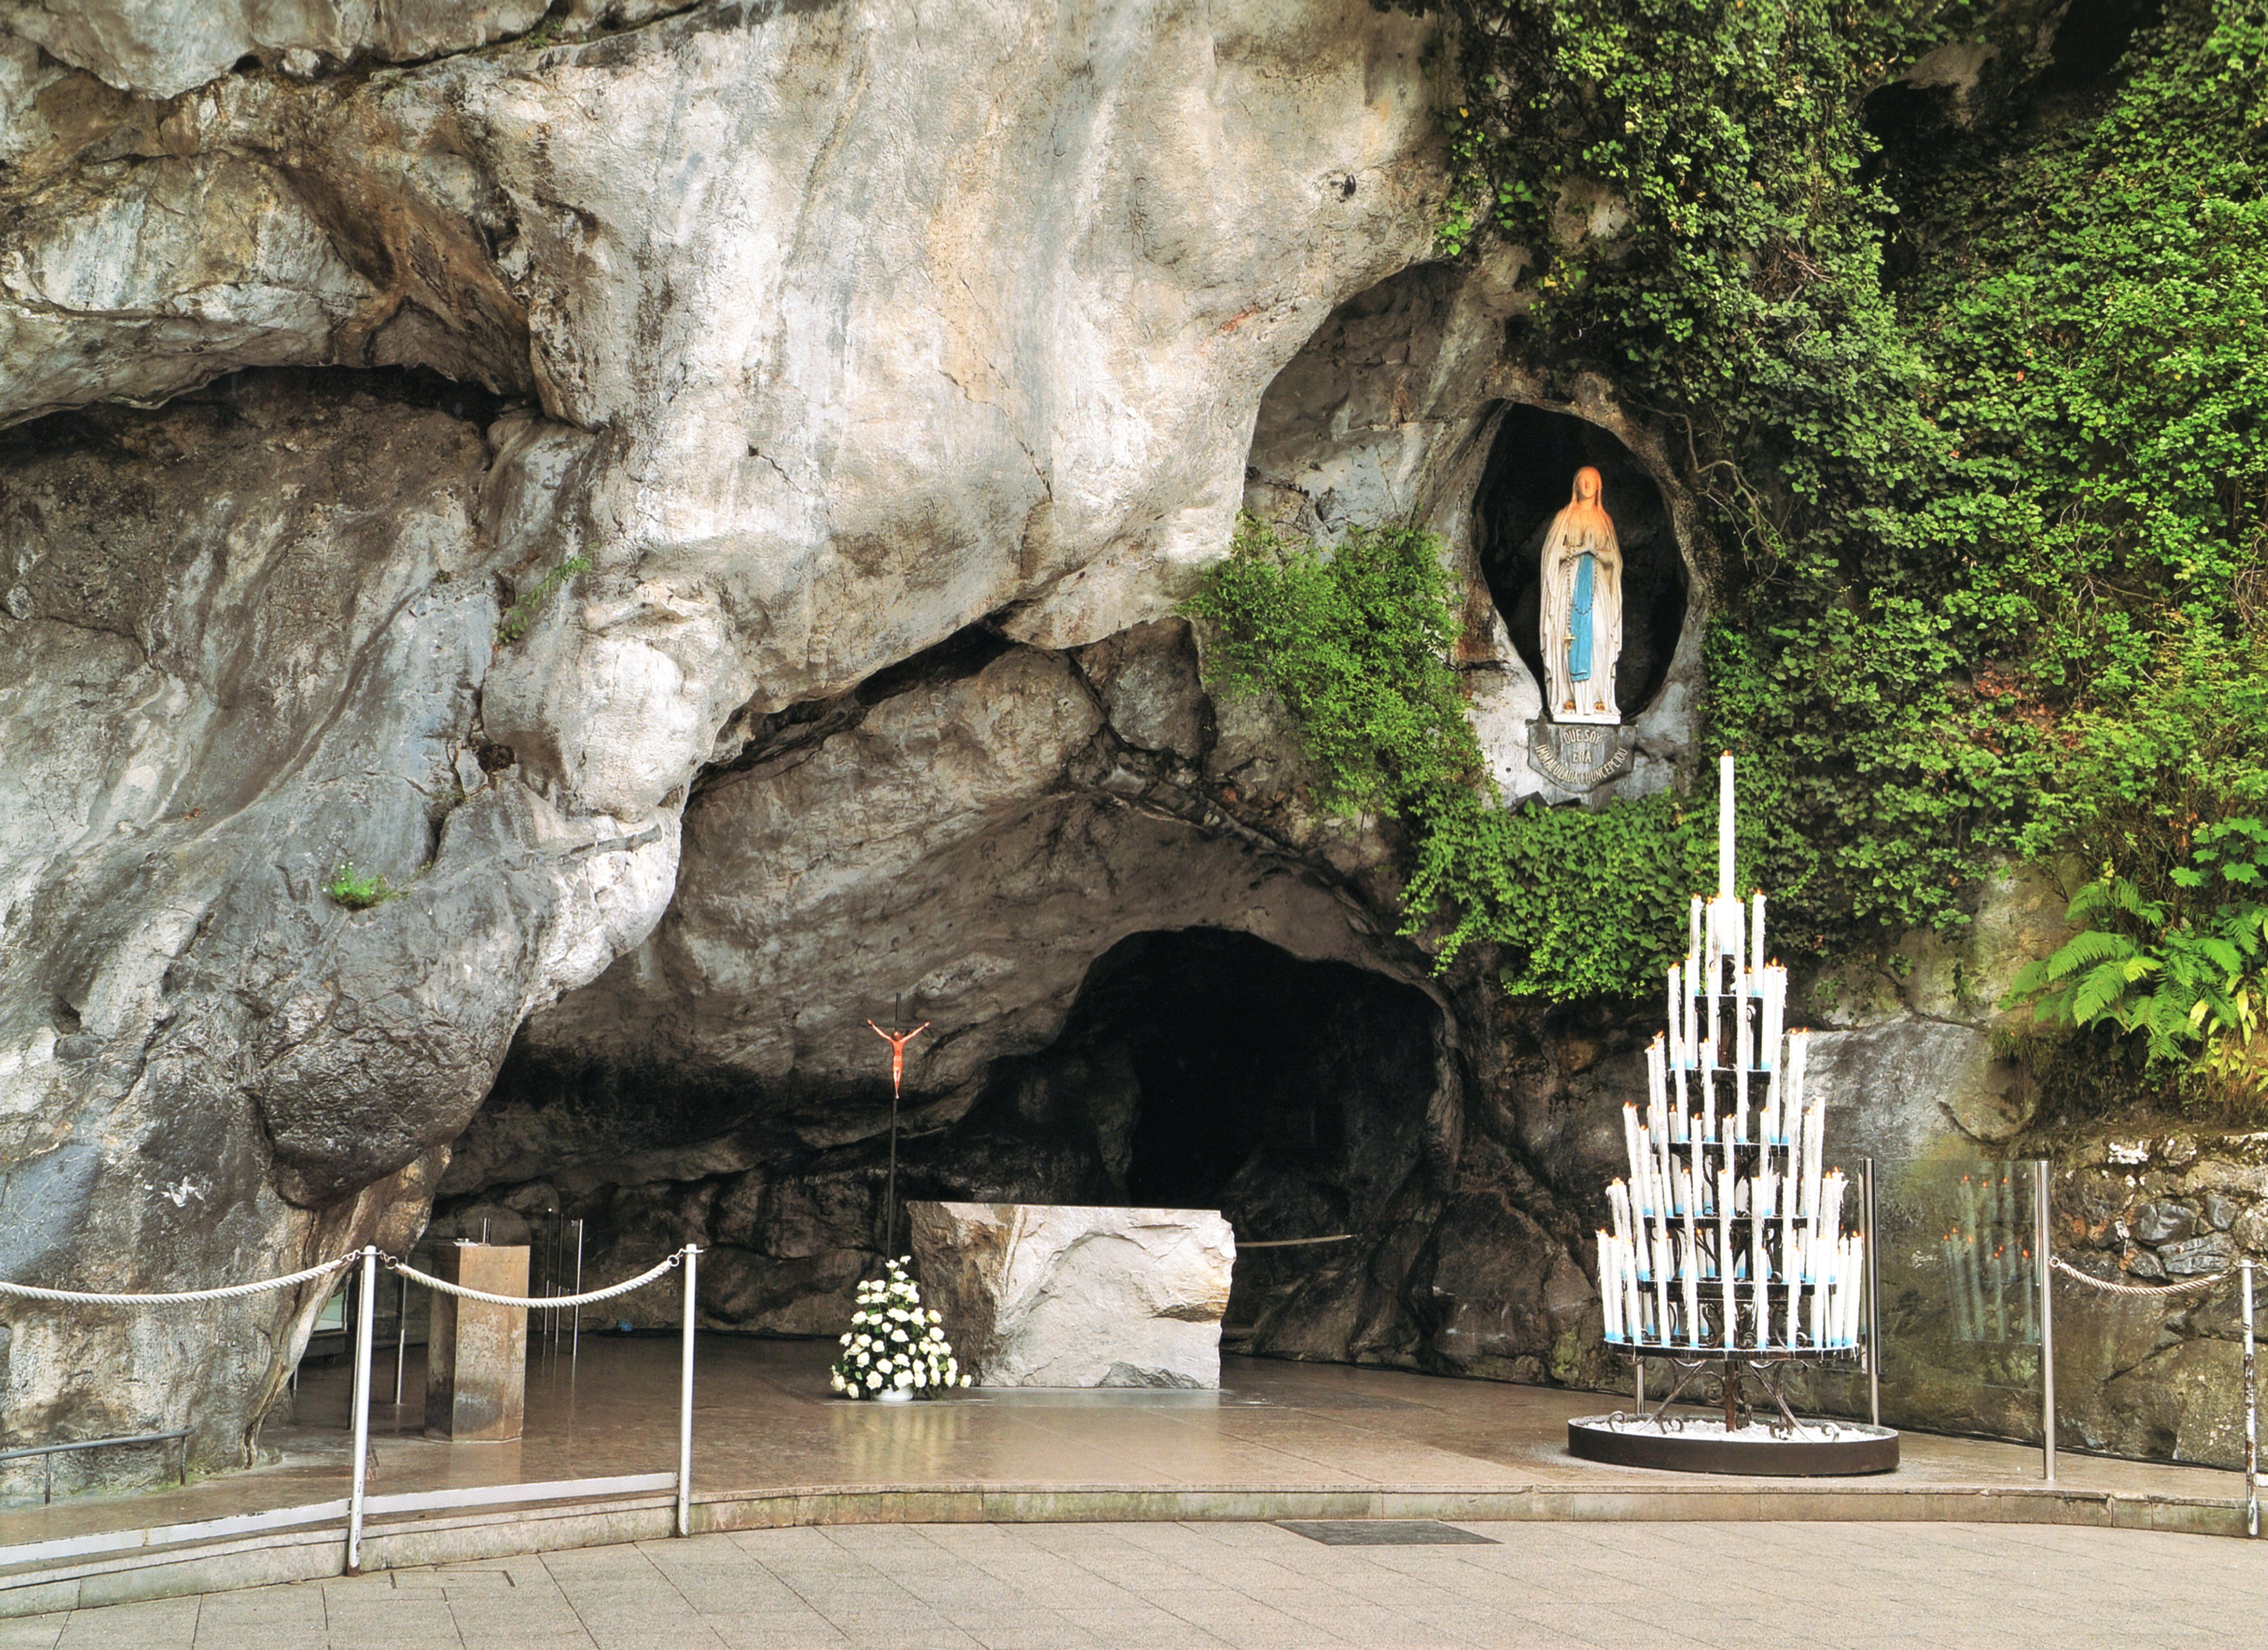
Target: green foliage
{"points": [[515, 620], [1991, 515], [358, 893], [2188, 977], [1356, 641]]}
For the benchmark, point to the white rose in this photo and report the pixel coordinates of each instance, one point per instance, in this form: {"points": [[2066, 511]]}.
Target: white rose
{"points": [[875, 1378]]}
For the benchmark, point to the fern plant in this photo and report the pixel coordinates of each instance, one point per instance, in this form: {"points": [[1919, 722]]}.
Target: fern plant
{"points": [[2187, 974]]}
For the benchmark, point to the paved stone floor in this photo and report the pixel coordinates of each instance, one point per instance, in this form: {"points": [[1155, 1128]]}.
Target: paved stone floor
{"points": [[1258, 1586], [764, 1419]]}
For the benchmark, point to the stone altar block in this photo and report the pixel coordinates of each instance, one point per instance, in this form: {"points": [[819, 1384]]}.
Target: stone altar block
{"points": [[477, 1354], [1055, 1295]]}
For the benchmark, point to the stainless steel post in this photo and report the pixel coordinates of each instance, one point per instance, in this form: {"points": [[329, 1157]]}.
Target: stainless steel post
{"points": [[400, 1338], [2042, 1185], [1874, 1286], [685, 1401], [2251, 1417], [368, 1294], [575, 1344], [1638, 1364]]}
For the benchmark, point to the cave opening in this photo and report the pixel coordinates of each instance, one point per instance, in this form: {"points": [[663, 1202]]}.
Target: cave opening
{"points": [[1196, 1068], [1530, 471], [1217, 1070]]}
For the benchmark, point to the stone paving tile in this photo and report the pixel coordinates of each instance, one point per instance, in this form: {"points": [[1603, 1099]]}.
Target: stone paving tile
{"points": [[1257, 1587]]}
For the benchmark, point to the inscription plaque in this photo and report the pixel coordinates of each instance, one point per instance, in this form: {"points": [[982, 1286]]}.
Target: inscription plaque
{"points": [[1577, 756]]}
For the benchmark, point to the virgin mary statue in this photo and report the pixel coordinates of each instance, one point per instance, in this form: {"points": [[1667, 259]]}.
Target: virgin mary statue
{"points": [[1582, 606]]}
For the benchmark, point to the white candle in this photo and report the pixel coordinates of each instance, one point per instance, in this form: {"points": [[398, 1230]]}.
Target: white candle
{"points": [[1609, 1297], [1725, 825], [1656, 1083], [1759, 1274], [1775, 1008], [1662, 1289], [1676, 1036], [1791, 1099], [1689, 1286], [1790, 1270], [1725, 1249], [1633, 1302], [1744, 1055], [1618, 1204], [1693, 952]]}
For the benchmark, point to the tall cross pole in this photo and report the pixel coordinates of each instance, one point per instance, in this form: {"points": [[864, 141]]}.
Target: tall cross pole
{"points": [[897, 1040]]}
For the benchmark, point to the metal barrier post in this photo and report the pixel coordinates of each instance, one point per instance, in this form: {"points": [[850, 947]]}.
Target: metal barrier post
{"points": [[367, 1297], [2042, 1185], [1874, 1296], [685, 1403], [2251, 1417], [400, 1338]]}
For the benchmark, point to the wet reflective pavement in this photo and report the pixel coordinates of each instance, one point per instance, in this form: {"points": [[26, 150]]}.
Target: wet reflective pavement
{"points": [[765, 1420]]}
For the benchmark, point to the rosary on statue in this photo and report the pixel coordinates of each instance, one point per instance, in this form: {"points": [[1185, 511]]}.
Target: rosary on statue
{"points": [[897, 1040]]}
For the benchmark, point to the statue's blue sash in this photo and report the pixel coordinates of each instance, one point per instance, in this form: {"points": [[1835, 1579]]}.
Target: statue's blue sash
{"points": [[1578, 621]]}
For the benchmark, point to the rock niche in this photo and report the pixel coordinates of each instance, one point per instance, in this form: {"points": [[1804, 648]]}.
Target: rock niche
{"points": [[1055, 1295]]}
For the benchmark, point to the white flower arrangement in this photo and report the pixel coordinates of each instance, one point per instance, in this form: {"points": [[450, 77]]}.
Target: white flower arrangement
{"points": [[894, 1344]]}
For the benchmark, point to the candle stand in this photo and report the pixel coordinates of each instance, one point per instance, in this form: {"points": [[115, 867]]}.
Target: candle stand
{"points": [[1728, 1252]]}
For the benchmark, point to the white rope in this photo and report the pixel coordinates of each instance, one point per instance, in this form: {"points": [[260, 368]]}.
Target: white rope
{"points": [[2110, 1288], [187, 1297], [545, 1301]]}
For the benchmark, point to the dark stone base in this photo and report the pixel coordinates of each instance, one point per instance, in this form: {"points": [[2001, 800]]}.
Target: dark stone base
{"points": [[1823, 1449]]}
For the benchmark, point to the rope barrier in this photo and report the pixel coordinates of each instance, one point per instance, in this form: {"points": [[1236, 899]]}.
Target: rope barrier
{"points": [[187, 1297], [546, 1302], [2109, 1288]]}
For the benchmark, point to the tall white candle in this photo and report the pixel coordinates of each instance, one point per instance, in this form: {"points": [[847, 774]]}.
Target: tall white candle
{"points": [[1756, 931], [1744, 1055], [1607, 1301], [1725, 1250], [1662, 1287], [1676, 1036], [1791, 1099], [1689, 1285], [1759, 1272], [1693, 950], [1633, 1303], [1725, 825], [1656, 1086], [1790, 1269], [1775, 1013]]}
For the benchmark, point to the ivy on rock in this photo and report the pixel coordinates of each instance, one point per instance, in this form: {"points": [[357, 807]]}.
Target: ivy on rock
{"points": [[1987, 521]]}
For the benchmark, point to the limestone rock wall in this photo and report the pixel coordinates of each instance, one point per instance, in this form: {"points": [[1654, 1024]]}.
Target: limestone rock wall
{"points": [[811, 339]]}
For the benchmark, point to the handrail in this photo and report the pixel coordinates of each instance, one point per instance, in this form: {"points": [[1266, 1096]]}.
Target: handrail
{"points": [[50, 1451]]}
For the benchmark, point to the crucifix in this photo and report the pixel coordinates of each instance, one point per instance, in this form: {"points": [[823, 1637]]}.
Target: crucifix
{"points": [[897, 1040]]}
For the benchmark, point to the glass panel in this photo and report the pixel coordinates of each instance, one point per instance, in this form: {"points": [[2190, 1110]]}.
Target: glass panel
{"points": [[1959, 1307]]}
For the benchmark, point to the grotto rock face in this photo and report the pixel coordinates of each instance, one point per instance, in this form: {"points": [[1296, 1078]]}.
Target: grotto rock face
{"points": [[244, 647], [788, 399], [1051, 1295]]}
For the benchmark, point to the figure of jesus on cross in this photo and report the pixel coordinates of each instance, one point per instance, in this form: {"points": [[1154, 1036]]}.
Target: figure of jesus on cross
{"points": [[897, 1040]]}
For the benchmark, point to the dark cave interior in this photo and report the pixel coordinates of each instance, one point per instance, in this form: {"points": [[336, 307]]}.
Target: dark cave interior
{"points": [[1197, 1068]]}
